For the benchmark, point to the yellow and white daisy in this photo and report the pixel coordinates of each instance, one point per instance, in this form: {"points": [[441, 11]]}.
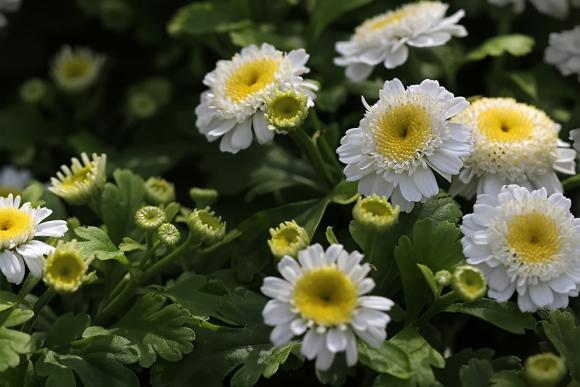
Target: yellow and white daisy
{"points": [[238, 92], [554, 8], [13, 181], [402, 138], [323, 295], [563, 51], [525, 242], [386, 38], [75, 70], [19, 225], [84, 178], [514, 143], [8, 6]]}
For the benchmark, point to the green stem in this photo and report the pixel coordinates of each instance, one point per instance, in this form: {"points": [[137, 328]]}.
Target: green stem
{"points": [[160, 265], [571, 183], [307, 146], [40, 303], [438, 306]]}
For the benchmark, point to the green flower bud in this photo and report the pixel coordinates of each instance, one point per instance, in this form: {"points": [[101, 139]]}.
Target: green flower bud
{"points": [[206, 226], [65, 268], [286, 110], [288, 239], [469, 283], [84, 179], [142, 105], [159, 191], [443, 277], [375, 213], [169, 234], [33, 91], [150, 218], [545, 370], [203, 197]]}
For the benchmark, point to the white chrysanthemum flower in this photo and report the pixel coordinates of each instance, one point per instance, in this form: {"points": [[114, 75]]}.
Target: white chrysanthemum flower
{"points": [[526, 242], [563, 51], [238, 92], [83, 179], [554, 8], [75, 70], [323, 294], [402, 137], [8, 6], [386, 37], [13, 181], [19, 225], [514, 143]]}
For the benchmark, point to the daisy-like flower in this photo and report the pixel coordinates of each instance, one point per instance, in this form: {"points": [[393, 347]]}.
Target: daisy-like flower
{"points": [[7, 6], [525, 242], [75, 70], [84, 178], [514, 143], [238, 92], [13, 181], [19, 226], [402, 137], [386, 37], [563, 51], [554, 8], [323, 295]]}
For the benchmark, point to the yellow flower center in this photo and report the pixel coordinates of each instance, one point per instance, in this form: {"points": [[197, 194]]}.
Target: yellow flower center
{"points": [[402, 132], [250, 78], [285, 238], [534, 237], [75, 68], [65, 270], [387, 19], [79, 176], [286, 107], [14, 223], [326, 296], [502, 124]]}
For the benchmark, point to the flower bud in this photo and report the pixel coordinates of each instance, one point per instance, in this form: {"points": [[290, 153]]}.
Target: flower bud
{"points": [[544, 370], [65, 268], [443, 277], [288, 239], [469, 283], [75, 70], [142, 105], [206, 226], [83, 179], [203, 197], [159, 191], [33, 91], [150, 218], [169, 234], [286, 110], [375, 213]]}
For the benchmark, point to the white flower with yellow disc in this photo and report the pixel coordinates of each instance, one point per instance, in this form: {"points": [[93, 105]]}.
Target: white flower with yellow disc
{"points": [[525, 242], [385, 38], [239, 89], [19, 225], [323, 295], [514, 143], [402, 138], [82, 180]]}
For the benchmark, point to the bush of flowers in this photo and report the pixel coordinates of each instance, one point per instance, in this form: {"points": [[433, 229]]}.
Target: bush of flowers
{"points": [[318, 192]]}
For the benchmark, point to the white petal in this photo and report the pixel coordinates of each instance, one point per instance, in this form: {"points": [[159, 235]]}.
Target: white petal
{"points": [[358, 72], [397, 58], [336, 340], [242, 134], [263, 134], [541, 295], [53, 228], [281, 335], [425, 182], [312, 344], [275, 287], [277, 312], [324, 359], [12, 266], [376, 302]]}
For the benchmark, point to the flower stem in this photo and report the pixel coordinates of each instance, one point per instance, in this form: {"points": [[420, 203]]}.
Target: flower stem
{"points": [[40, 303], [307, 146], [438, 306], [571, 183]]}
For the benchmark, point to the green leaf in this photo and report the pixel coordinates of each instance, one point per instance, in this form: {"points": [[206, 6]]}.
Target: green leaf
{"points": [[440, 208], [98, 244], [120, 201], [15, 317], [345, 192], [508, 379], [7, 300], [66, 329], [564, 333], [387, 359], [12, 345], [449, 376], [325, 12], [21, 376], [129, 244], [330, 237], [204, 17], [504, 315], [156, 329], [515, 44], [476, 373], [33, 194], [429, 279]]}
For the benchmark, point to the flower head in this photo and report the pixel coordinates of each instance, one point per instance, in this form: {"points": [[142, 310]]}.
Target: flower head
{"points": [[514, 143], [142, 105], [469, 283], [83, 179], [563, 51], [375, 213], [286, 110], [288, 239], [443, 278], [19, 225], [323, 294], [150, 217], [13, 181], [75, 70], [402, 138], [206, 226], [65, 268], [386, 37], [525, 242], [33, 91], [239, 89], [169, 234], [545, 370], [159, 190]]}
